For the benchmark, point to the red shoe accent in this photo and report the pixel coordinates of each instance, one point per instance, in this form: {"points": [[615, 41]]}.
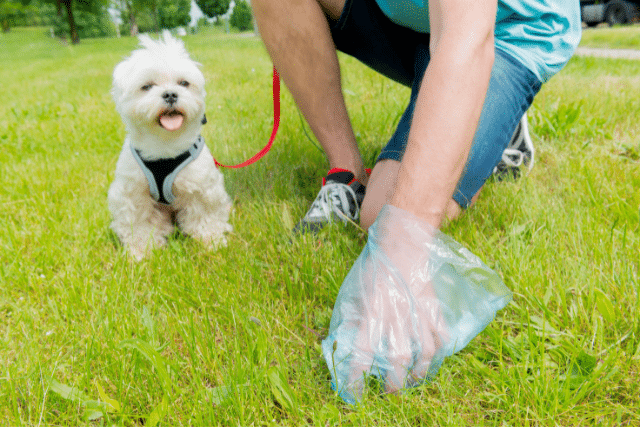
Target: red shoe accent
{"points": [[334, 170]]}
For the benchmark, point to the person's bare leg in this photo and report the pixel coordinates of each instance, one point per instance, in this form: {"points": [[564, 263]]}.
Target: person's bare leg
{"points": [[297, 37], [381, 186]]}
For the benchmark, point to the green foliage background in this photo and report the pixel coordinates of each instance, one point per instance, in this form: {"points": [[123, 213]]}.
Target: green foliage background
{"points": [[241, 17], [90, 24], [15, 13], [213, 8], [174, 13]]}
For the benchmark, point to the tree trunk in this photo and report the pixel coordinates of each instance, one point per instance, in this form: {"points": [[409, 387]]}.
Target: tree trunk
{"points": [[155, 19], [73, 31], [154, 13], [133, 24]]}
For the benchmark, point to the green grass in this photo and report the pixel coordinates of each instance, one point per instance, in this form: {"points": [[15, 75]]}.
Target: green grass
{"points": [[619, 37], [191, 337]]}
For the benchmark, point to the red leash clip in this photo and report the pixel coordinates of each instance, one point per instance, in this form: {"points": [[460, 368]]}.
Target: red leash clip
{"points": [[276, 123]]}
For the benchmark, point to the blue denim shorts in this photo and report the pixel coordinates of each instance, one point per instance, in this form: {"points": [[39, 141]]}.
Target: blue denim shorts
{"points": [[364, 32]]}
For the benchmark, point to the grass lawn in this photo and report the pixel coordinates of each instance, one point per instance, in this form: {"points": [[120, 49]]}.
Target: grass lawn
{"points": [[191, 337], [619, 37]]}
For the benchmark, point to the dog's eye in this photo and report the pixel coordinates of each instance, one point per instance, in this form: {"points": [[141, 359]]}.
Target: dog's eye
{"points": [[147, 87], [183, 83]]}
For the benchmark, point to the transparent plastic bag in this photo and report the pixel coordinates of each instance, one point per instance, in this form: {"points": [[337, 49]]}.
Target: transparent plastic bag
{"points": [[413, 297]]}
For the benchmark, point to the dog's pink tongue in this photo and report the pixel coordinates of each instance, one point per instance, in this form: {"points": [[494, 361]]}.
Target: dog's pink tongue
{"points": [[171, 121]]}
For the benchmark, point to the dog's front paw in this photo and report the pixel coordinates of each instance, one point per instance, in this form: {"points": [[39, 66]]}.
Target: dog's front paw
{"points": [[136, 253], [216, 237], [140, 247], [212, 235]]}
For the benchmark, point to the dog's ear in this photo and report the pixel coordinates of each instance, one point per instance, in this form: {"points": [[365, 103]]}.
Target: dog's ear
{"points": [[204, 119]]}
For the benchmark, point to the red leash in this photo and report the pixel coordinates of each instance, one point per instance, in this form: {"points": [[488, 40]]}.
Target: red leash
{"points": [[276, 122]]}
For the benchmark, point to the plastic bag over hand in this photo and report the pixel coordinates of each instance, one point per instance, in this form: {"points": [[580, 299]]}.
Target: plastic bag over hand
{"points": [[413, 297]]}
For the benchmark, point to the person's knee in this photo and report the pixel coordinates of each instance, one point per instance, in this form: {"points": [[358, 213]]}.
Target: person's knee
{"points": [[368, 215], [371, 205], [380, 188], [454, 210], [332, 8]]}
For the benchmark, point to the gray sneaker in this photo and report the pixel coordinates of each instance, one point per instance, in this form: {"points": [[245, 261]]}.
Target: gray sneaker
{"points": [[339, 199], [519, 152]]}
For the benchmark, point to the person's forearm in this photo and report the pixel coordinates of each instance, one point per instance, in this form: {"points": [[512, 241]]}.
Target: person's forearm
{"points": [[444, 123]]}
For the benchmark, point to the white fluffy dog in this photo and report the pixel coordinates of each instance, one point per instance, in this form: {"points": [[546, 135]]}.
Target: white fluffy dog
{"points": [[165, 173]]}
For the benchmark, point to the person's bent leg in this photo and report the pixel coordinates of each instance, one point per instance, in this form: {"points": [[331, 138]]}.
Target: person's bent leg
{"points": [[297, 37], [512, 88]]}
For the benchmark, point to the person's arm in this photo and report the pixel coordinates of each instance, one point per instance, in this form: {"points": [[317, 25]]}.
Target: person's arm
{"points": [[448, 106]]}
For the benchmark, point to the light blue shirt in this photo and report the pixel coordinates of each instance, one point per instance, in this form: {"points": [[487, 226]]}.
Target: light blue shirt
{"points": [[541, 34]]}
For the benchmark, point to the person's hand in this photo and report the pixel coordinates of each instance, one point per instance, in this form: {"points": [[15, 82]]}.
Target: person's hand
{"points": [[413, 297]]}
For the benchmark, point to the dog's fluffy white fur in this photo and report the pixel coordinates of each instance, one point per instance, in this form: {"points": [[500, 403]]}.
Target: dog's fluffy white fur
{"points": [[159, 92]]}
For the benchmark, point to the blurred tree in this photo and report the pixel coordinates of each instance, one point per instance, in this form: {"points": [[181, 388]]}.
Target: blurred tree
{"points": [[97, 7], [132, 13], [213, 8], [241, 17], [140, 16], [174, 13], [14, 12], [8, 12], [68, 6], [94, 21], [88, 24]]}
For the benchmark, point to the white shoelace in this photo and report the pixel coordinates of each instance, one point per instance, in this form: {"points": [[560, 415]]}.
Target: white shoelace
{"points": [[512, 157], [331, 198]]}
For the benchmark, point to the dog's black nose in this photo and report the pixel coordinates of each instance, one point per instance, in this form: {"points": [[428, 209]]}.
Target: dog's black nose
{"points": [[170, 97]]}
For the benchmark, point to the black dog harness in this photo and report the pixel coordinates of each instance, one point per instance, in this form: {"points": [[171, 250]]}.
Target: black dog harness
{"points": [[161, 173]]}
